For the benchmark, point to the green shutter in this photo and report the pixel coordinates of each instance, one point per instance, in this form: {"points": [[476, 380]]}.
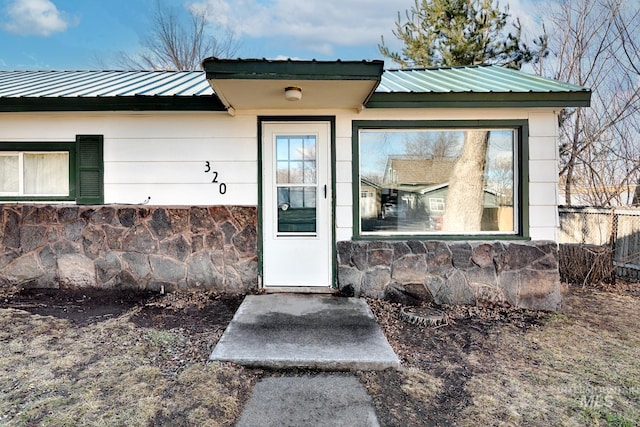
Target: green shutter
{"points": [[90, 185]]}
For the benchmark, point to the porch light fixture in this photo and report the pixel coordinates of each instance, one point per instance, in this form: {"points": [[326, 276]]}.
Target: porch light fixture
{"points": [[293, 93]]}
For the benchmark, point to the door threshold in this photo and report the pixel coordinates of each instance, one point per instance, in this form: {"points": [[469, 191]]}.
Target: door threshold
{"points": [[299, 289]]}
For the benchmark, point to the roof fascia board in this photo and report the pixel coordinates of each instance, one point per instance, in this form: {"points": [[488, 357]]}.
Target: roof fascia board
{"points": [[124, 103], [479, 100], [292, 70]]}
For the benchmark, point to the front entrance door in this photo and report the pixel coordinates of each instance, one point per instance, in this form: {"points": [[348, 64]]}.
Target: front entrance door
{"points": [[296, 204]]}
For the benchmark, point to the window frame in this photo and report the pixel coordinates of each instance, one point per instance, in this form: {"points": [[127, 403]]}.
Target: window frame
{"points": [[521, 175], [86, 168], [45, 147]]}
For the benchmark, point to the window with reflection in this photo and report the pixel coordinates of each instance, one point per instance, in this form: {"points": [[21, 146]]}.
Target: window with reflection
{"points": [[438, 181]]}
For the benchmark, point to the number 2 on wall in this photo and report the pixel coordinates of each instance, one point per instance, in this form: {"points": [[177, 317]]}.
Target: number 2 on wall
{"points": [[222, 187]]}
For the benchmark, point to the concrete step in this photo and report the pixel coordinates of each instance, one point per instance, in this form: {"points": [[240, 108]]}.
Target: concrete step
{"points": [[305, 331]]}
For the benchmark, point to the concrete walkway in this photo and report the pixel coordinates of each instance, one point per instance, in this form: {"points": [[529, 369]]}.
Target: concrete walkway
{"points": [[305, 331], [309, 401]]}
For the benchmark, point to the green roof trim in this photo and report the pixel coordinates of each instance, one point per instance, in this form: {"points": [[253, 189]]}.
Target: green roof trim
{"points": [[115, 103], [479, 100], [265, 69]]}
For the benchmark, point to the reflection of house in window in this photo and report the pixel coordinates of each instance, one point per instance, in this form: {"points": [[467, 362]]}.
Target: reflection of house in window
{"points": [[370, 199], [495, 217], [417, 170], [412, 197], [404, 179], [436, 204]]}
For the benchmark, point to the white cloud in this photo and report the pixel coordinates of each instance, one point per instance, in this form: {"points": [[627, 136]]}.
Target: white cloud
{"points": [[34, 17], [529, 14], [317, 25]]}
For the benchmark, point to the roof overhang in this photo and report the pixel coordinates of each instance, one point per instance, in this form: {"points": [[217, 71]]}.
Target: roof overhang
{"points": [[259, 84]]}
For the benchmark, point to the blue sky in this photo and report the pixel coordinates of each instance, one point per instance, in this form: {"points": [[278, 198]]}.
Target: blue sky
{"points": [[87, 34]]}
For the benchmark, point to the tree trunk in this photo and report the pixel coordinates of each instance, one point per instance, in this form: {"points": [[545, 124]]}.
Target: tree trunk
{"points": [[466, 185]]}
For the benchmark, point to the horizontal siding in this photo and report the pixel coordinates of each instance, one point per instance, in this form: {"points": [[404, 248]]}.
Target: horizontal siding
{"points": [[181, 150], [169, 125], [182, 172], [182, 194], [543, 148], [161, 155]]}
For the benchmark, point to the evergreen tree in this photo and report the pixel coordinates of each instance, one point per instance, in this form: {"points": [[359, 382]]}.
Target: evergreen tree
{"points": [[461, 32]]}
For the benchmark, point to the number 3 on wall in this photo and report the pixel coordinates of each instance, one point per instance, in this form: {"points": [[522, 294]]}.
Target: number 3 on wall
{"points": [[222, 187]]}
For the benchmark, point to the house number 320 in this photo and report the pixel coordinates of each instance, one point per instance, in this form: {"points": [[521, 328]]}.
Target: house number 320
{"points": [[222, 187]]}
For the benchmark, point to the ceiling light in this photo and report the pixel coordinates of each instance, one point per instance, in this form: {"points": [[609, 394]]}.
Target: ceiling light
{"points": [[293, 93]]}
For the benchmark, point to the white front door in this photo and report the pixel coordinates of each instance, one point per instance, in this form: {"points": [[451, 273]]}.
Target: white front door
{"points": [[296, 204]]}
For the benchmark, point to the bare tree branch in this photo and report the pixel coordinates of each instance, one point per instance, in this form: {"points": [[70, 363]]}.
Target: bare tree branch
{"points": [[177, 42], [595, 43]]}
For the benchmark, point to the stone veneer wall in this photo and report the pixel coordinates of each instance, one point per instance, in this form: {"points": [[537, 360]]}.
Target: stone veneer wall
{"points": [[523, 274], [134, 247]]}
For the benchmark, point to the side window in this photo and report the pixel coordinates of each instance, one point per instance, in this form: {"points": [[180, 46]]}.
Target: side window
{"points": [[52, 171]]}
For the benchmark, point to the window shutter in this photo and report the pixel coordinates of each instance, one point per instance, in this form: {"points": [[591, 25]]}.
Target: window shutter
{"points": [[90, 185]]}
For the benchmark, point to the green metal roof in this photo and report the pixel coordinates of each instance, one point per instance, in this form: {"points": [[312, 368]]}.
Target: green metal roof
{"points": [[474, 86], [455, 87]]}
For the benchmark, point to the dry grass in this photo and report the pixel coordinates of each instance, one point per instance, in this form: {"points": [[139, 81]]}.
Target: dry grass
{"points": [[105, 374], [491, 366], [498, 366], [577, 368]]}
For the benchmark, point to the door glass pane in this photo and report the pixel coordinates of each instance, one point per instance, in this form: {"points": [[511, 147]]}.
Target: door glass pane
{"points": [[9, 174], [296, 159], [296, 176], [297, 209], [46, 173]]}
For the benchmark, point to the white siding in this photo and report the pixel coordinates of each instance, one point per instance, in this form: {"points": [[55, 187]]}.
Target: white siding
{"points": [[163, 155], [543, 175]]}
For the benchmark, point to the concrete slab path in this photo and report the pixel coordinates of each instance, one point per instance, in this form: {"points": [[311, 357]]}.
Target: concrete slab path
{"points": [[305, 331], [309, 401]]}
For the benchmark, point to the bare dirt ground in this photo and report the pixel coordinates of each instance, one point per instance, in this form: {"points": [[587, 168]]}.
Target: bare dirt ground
{"points": [[95, 358]]}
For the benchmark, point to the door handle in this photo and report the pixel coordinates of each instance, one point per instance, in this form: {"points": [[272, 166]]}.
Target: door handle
{"points": [[325, 191]]}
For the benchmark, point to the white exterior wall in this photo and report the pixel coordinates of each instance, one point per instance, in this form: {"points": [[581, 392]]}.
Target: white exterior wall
{"points": [[163, 155], [543, 176], [160, 155]]}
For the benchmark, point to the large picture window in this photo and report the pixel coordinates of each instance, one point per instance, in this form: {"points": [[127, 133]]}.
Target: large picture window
{"points": [[446, 179]]}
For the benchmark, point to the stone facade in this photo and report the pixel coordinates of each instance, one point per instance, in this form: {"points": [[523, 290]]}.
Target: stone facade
{"points": [[168, 248], [523, 274], [129, 247]]}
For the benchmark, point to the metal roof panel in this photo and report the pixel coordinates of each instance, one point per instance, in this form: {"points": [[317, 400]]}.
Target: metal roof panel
{"points": [[56, 84], [472, 79]]}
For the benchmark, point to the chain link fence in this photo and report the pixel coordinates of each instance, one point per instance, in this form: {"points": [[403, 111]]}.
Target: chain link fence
{"points": [[599, 244]]}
